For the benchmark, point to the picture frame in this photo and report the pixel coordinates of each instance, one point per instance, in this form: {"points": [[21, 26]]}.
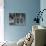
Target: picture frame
{"points": [[18, 19]]}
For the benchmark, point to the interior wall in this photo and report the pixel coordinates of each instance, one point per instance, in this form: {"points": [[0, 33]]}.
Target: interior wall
{"points": [[43, 6], [29, 7]]}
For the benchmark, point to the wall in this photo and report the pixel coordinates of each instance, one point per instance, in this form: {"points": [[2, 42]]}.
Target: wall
{"points": [[43, 6], [14, 33]]}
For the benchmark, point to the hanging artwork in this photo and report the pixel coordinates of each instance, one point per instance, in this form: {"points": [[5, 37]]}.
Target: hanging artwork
{"points": [[17, 18]]}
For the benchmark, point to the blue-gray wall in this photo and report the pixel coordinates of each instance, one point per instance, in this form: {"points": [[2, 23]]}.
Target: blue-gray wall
{"points": [[43, 6], [30, 7]]}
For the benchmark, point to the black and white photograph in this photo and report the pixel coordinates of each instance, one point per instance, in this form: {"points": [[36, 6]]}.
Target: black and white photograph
{"points": [[17, 18]]}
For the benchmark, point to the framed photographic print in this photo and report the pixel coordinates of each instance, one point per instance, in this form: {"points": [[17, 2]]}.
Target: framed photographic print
{"points": [[17, 19]]}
